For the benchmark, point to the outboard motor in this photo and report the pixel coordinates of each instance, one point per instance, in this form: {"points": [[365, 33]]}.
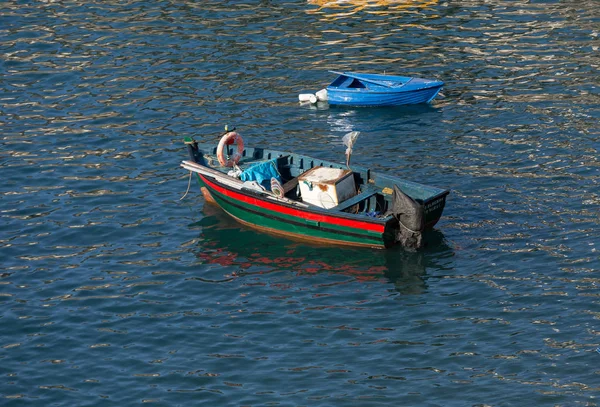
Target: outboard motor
{"points": [[411, 219]]}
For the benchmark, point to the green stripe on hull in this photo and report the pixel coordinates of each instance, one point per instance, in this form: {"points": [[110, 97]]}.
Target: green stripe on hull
{"points": [[288, 224], [202, 184]]}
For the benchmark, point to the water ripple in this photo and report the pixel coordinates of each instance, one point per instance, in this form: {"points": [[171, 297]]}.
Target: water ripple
{"points": [[115, 290]]}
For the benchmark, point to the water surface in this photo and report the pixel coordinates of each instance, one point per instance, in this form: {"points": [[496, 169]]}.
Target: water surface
{"points": [[115, 291]]}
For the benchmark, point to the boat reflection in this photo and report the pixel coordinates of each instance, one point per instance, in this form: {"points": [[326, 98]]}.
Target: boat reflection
{"points": [[368, 121], [224, 242], [392, 111], [349, 117]]}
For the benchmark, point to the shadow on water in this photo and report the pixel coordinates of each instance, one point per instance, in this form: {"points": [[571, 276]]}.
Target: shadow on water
{"points": [[224, 242]]}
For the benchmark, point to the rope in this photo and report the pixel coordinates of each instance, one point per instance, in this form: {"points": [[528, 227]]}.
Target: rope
{"points": [[277, 188], [188, 188], [410, 230]]}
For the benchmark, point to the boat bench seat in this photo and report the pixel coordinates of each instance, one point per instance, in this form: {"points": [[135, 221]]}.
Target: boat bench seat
{"points": [[365, 194], [291, 184]]}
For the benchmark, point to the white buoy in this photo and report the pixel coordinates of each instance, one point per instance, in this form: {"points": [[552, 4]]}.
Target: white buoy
{"points": [[307, 97], [322, 95]]}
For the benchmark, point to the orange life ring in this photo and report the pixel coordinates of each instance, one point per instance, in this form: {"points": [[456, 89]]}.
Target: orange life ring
{"points": [[227, 140]]}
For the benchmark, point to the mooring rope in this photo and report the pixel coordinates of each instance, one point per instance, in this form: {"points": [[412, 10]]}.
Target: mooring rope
{"points": [[409, 229], [188, 188]]}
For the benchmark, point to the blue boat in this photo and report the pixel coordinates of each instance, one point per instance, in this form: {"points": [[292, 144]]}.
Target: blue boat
{"points": [[355, 89]]}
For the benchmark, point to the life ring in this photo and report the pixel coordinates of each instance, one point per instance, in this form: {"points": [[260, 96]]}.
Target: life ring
{"points": [[227, 140]]}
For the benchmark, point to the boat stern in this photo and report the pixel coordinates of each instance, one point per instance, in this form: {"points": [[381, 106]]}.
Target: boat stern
{"points": [[434, 208]]}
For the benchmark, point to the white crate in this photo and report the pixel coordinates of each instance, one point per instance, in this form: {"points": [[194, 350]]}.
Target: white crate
{"points": [[326, 187]]}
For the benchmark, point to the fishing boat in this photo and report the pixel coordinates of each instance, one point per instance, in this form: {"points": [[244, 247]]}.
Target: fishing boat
{"points": [[356, 89], [307, 198]]}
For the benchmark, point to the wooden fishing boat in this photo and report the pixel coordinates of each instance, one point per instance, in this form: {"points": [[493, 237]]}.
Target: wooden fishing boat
{"points": [[354, 89], [307, 198]]}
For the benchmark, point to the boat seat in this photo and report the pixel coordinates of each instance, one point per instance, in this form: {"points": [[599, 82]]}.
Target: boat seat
{"points": [[291, 184], [365, 194]]}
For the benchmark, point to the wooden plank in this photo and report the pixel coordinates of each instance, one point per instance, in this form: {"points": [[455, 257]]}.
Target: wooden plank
{"points": [[355, 199], [291, 184]]}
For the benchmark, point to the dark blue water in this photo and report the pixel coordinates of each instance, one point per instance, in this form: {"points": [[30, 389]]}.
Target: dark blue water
{"points": [[114, 291]]}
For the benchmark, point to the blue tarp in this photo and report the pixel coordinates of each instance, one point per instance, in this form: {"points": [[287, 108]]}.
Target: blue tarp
{"points": [[262, 173]]}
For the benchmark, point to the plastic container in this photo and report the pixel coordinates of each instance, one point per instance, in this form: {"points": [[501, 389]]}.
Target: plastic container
{"points": [[307, 97], [322, 95], [326, 187]]}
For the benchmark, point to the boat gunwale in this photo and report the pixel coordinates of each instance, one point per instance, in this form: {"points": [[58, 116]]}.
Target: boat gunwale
{"points": [[395, 83], [366, 172], [434, 192], [383, 92], [375, 78]]}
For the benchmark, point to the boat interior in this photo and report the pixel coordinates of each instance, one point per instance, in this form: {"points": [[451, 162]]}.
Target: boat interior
{"points": [[347, 82], [371, 194]]}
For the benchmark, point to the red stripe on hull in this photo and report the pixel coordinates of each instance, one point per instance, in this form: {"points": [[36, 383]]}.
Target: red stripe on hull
{"points": [[373, 227]]}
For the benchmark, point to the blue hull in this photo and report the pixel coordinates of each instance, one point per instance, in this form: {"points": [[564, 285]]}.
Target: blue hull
{"points": [[381, 90], [373, 98]]}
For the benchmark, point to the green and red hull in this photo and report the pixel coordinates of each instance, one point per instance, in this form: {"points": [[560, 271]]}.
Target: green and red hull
{"points": [[315, 225]]}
